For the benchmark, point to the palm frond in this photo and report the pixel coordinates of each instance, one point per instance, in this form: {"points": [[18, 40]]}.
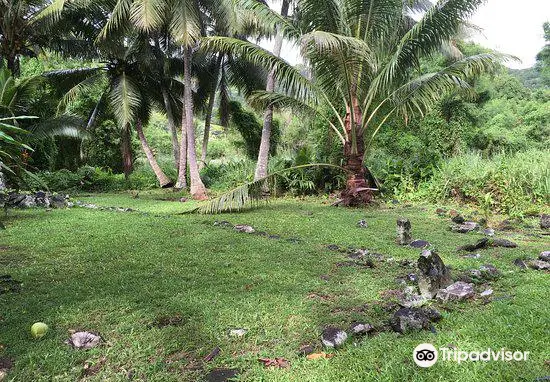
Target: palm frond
{"points": [[251, 194]]}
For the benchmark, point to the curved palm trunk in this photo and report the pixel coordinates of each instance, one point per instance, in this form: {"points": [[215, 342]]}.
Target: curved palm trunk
{"points": [[172, 126], [164, 181], [263, 155], [126, 150], [357, 191], [198, 191], [208, 117]]}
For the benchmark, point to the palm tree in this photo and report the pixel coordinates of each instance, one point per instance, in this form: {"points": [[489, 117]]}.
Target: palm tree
{"points": [[364, 61]]}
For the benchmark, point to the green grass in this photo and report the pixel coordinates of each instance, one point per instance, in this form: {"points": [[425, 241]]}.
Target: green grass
{"points": [[118, 273]]}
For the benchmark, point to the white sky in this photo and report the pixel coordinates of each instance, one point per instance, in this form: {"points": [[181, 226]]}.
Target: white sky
{"points": [[509, 26]]}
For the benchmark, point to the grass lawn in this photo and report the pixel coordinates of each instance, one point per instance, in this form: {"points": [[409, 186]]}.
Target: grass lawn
{"points": [[163, 290]]}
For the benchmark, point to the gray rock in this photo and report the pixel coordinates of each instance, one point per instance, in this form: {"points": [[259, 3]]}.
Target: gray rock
{"points": [[359, 328], [520, 263], [362, 223], [458, 219], [42, 199], [58, 201], [486, 293], [412, 300], [420, 244], [481, 243], [539, 265], [83, 340], [489, 232], [237, 332], [27, 202], [333, 337], [489, 272], [403, 231], [505, 243], [465, 227], [244, 228], [456, 292], [407, 320], [433, 274], [222, 375], [545, 256], [545, 221], [472, 256]]}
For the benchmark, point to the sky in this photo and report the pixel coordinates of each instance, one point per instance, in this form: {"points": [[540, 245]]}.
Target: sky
{"points": [[509, 26]]}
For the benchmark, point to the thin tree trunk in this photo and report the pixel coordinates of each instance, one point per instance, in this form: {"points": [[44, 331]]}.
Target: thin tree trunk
{"points": [[164, 181], [198, 191], [208, 118], [126, 149], [172, 126], [265, 145], [182, 168]]}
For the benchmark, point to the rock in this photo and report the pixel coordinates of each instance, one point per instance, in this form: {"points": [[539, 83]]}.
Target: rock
{"points": [[83, 340], [433, 274], [362, 223], [333, 337], [3, 186], [465, 227], [333, 247], [458, 219], [489, 272], [520, 263], [503, 243], [441, 212], [410, 299], [237, 332], [306, 349], [223, 223], [403, 231], [539, 265], [486, 293], [545, 221], [456, 292], [481, 243], [222, 375], [244, 228], [407, 320], [472, 256], [42, 199], [489, 232], [359, 328], [14, 199], [420, 244], [545, 256], [27, 202], [58, 201]]}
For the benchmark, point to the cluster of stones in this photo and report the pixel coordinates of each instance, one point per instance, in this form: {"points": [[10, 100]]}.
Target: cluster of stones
{"points": [[39, 199], [540, 264]]}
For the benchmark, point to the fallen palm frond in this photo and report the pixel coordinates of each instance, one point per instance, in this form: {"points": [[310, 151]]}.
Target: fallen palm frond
{"points": [[253, 193]]}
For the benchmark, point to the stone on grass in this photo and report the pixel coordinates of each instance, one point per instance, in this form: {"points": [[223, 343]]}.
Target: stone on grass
{"points": [[237, 332], [410, 299], [403, 231], [362, 223], [333, 337], [505, 243], [481, 243], [489, 272], [539, 265], [407, 320], [545, 256], [486, 293], [465, 227], [433, 274], [84, 340], [545, 221], [458, 219], [472, 256], [58, 201], [489, 232], [441, 211], [222, 375], [244, 228], [456, 292], [359, 328], [520, 263], [420, 244]]}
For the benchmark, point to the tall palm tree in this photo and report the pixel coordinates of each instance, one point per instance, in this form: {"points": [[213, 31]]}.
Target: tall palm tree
{"points": [[364, 61]]}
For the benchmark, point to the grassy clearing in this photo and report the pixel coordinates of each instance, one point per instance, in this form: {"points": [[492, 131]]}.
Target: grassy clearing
{"points": [[120, 274]]}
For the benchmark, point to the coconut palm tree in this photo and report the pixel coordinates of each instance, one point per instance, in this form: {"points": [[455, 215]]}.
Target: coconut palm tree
{"points": [[364, 58]]}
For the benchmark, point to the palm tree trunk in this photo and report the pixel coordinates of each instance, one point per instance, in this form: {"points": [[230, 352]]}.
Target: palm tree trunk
{"points": [[14, 65], [357, 191], [265, 145], [182, 164], [126, 149], [171, 126], [198, 191], [208, 118], [164, 181]]}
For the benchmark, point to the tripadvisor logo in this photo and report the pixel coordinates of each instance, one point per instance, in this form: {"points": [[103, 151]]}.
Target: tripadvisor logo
{"points": [[426, 355]]}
